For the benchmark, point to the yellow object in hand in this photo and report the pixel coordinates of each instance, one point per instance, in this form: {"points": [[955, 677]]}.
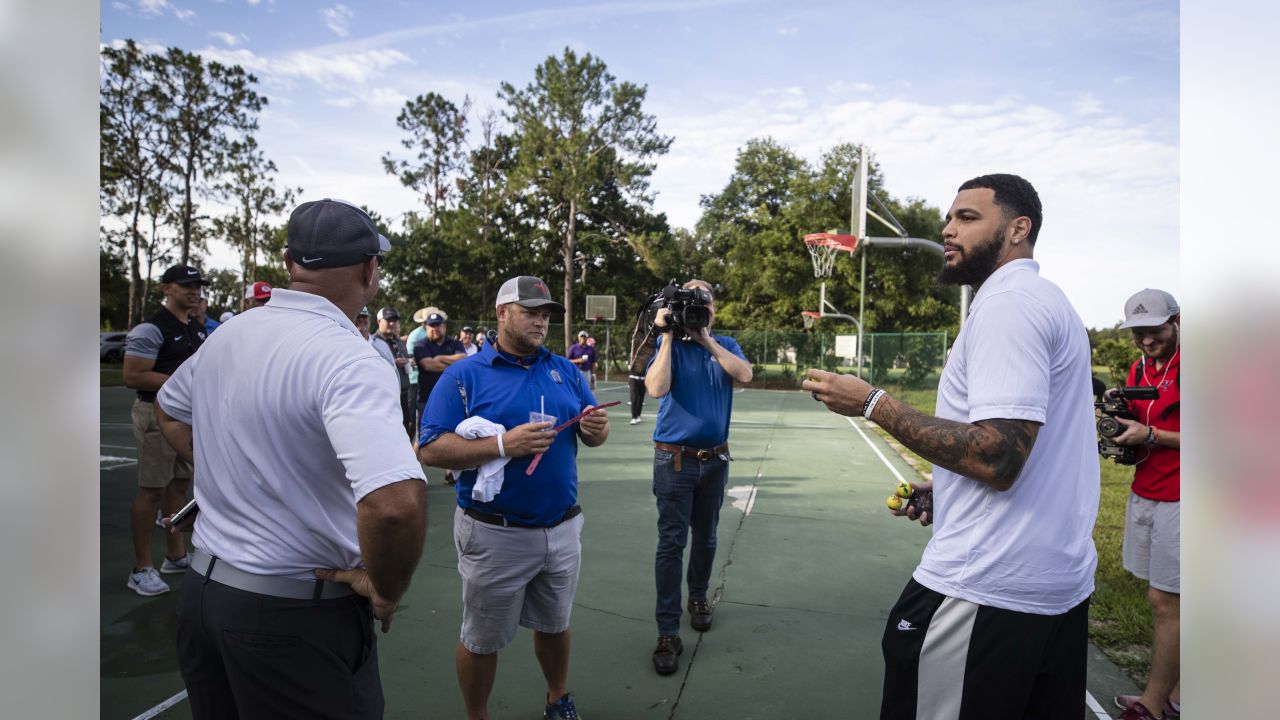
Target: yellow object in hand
{"points": [[904, 489], [895, 503]]}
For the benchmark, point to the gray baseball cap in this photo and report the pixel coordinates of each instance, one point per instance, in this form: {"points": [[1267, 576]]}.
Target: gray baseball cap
{"points": [[527, 291], [1148, 308]]}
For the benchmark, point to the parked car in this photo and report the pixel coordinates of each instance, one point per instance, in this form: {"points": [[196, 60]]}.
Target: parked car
{"points": [[111, 346]]}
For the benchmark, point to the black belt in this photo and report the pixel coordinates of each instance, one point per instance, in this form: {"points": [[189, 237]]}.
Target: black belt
{"points": [[700, 453], [491, 519]]}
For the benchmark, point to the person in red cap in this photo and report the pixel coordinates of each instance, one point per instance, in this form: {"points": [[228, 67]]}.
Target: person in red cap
{"points": [[257, 295]]}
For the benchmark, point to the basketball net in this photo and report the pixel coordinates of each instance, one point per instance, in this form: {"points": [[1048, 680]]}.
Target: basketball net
{"points": [[824, 258]]}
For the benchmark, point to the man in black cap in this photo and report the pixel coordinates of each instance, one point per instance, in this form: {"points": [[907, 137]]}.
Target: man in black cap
{"points": [[432, 354], [154, 349], [388, 343], [468, 339], [312, 508]]}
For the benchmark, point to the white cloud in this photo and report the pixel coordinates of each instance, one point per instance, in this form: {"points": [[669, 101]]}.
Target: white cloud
{"points": [[153, 7], [788, 31], [184, 15], [254, 2], [338, 19], [1110, 188], [332, 71], [1087, 105], [121, 5], [229, 39]]}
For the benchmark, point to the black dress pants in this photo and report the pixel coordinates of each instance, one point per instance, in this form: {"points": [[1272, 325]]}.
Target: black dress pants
{"points": [[244, 655]]}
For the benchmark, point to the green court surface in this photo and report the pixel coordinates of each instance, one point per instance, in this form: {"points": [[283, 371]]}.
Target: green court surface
{"points": [[809, 563]]}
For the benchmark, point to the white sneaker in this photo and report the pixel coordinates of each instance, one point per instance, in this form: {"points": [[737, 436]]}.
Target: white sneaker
{"points": [[147, 582], [174, 567], [635, 421], [160, 519]]}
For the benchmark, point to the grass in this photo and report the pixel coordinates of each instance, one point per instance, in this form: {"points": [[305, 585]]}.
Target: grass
{"points": [[110, 374], [1119, 616]]}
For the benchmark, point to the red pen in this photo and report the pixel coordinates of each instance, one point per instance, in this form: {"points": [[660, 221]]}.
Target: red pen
{"points": [[538, 458]]}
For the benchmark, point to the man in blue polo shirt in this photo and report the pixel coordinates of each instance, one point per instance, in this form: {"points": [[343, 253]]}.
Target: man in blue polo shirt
{"points": [[693, 373], [516, 532]]}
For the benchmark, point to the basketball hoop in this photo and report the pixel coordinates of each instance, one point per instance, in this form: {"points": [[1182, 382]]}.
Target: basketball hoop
{"points": [[809, 316], [823, 248]]}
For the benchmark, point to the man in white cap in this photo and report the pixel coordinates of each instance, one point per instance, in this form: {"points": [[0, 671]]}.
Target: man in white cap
{"points": [[1152, 539], [583, 354], [312, 508]]}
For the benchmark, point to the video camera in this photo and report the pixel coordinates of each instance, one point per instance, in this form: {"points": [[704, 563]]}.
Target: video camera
{"points": [[690, 307], [1114, 404]]}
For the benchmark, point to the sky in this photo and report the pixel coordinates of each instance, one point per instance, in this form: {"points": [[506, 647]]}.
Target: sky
{"points": [[1080, 97]]}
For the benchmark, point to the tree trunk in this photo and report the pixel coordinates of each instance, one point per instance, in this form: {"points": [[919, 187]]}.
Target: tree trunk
{"points": [[570, 242], [135, 276]]}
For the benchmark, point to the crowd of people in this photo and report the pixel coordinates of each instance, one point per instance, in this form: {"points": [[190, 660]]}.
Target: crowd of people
{"points": [[312, 506]]}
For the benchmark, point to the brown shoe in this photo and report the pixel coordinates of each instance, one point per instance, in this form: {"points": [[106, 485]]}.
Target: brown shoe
{"points": [[699, 615], [666, 657]]}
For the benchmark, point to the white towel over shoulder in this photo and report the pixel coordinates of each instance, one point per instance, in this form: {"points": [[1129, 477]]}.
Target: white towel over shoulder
{"points": [[490, 476]]}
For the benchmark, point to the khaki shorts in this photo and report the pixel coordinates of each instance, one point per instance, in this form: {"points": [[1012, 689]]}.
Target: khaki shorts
{"points": [[1153, 542], [158, 462], [514, 576]]}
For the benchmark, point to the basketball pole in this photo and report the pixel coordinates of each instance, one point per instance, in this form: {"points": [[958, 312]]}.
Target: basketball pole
{"points": [[858, 223]]}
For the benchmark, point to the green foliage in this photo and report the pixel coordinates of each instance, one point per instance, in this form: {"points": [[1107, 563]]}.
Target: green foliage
{"points": [[437, 134], [113, 285], [1114, 350]]}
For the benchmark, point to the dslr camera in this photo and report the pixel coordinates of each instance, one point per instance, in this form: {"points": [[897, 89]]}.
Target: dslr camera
{"points": [[1114, 404], [690, 307]]}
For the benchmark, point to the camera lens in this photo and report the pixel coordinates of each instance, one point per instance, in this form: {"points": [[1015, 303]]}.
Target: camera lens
{"points": [[1109, 427]]}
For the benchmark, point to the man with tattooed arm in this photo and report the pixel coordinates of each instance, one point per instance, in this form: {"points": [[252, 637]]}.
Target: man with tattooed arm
{"points": [[993, 623]]}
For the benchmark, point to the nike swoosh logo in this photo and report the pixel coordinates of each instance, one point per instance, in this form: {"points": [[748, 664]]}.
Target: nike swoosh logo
{"points": [[193, 272], [311, 260], [906, 625]]}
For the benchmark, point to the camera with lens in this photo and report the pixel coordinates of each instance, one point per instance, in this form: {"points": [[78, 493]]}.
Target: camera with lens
{"points": [[1113, 405], [690, 307]]}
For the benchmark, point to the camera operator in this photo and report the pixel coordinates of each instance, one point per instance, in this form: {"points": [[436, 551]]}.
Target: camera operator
{"points": [[692, 374], [1151, 527]]}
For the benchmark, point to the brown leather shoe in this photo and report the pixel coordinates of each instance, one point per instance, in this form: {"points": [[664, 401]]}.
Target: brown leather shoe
{"points": [[666, 657], [699, 615]]}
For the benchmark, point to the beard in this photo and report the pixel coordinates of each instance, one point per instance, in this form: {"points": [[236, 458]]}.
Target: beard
{"points": [[975, 265]]}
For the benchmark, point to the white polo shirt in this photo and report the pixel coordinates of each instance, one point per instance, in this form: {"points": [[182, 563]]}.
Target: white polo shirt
{"points": [[295, 418], [1023, 354]]}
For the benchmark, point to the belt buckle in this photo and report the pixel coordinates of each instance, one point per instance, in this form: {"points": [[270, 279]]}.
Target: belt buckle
{"points": [[704, 455]]}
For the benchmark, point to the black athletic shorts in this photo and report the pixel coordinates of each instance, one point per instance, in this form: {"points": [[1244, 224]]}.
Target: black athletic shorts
{"points": [[950, 659]]}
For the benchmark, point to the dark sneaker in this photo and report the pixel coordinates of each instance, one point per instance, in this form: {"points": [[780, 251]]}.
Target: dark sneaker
{"points": [[1124, 701], [1138, 711], [448, 477], [666, 657], [699, 615], [562, 708]]}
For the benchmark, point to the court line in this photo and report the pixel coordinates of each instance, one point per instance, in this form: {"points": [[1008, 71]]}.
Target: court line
{"points": [[163, 706], [870, 444], [1095, 706], [118, 447]]}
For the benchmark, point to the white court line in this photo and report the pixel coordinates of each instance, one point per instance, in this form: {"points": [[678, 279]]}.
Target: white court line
{"points": [[163, 706], [1088, 697], [118, 447], [1095, 706], [883, 459]]}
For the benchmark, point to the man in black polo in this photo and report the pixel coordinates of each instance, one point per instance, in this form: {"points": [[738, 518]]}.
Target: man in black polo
{"points": [[153, 351]]}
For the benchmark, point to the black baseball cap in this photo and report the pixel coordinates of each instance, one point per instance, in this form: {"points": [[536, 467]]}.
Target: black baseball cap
{"points": [[467, 328], [527, 291], [435, 319], [388, 313], [333, 233], [183, 275]]}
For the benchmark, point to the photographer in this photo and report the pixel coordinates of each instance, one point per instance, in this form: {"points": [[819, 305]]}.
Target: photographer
{"points": [[692, 374], [1151, 528]]}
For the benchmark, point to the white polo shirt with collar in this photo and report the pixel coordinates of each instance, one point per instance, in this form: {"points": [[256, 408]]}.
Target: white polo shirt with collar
{"points": [[295, 419], [1023, 354]]}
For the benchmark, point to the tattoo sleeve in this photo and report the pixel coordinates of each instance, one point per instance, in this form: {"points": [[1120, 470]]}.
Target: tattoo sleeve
{"points": [[989, 451]]}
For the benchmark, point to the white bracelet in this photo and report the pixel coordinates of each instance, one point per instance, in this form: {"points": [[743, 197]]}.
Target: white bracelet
{"points": [[871, 406], [501, 451]]}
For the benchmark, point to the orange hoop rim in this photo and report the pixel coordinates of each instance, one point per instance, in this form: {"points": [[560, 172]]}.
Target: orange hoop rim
{"points": [[811, 313], [847, 243]]}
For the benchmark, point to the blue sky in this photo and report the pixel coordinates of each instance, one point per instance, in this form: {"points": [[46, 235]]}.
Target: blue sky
{"points": [[1079, 97]]}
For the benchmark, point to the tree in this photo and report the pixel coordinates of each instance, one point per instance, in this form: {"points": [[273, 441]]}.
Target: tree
{"points": [[131, 169], [201, 104], [247, 181], [580, 129], [437, 131]]}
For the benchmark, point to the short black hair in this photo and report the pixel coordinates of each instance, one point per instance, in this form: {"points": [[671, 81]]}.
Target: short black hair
{"points": [[1014, 196]]}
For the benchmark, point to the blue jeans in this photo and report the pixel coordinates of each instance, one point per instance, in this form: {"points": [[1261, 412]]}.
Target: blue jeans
{"points": [[687, 500]]}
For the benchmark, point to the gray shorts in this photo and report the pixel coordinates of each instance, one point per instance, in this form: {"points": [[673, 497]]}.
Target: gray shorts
{"points": [[514, 576], [1153, 542]]}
